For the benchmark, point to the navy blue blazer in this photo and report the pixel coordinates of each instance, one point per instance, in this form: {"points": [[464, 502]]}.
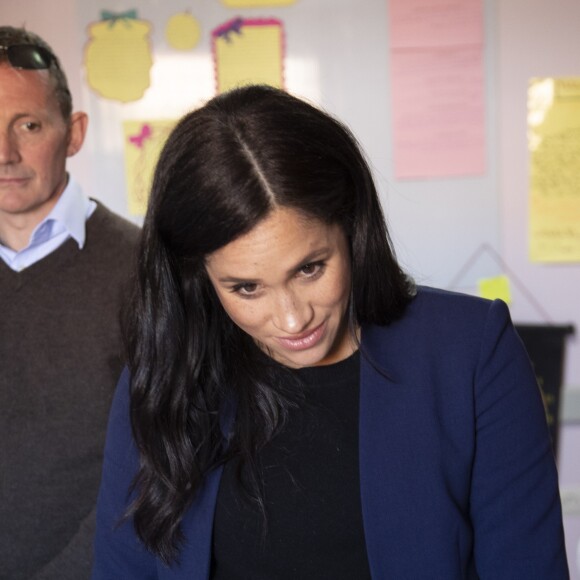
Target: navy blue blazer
{"points": [[457, 475]]}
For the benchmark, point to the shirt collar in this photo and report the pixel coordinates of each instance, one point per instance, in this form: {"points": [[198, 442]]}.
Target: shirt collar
{"points": [[69, 214]]}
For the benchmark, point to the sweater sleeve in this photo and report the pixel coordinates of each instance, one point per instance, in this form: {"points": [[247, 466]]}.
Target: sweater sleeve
{"points": [[118, 552], [515, 504]]}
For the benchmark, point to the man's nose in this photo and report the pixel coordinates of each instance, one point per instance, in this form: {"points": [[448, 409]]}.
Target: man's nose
{"points": [[291, 314], [8, 148]]}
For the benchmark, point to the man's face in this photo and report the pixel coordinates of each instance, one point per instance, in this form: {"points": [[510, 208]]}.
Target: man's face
{"points": [[35, 141]]}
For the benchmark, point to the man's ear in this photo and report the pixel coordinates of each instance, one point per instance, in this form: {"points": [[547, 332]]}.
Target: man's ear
{"points": [[77, 131]]}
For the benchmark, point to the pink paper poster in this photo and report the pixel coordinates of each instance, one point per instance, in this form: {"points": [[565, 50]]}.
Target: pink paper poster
{"points": [[438, 88], [429, 23]]}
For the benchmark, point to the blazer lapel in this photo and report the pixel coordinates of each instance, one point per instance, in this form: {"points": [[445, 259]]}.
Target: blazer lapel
{"points": [[390, 467]]}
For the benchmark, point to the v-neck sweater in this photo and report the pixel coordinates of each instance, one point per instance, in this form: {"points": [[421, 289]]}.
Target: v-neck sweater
{"points": [[60, 358]]}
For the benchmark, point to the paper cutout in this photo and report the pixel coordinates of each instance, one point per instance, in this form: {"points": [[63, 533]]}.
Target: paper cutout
{"points": [[255, 3], [248, 51], [143, 143], [496, 287], [118, 56], [554, 143], [116, 16], [139, 140], [438, 88], [182, 31]]}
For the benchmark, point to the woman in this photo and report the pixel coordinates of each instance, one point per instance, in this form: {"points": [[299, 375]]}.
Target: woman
{"points": [[293, 407]]}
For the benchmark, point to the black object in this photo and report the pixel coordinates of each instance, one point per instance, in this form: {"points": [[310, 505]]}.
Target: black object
{"points": [[28, 56], [545, 344]]}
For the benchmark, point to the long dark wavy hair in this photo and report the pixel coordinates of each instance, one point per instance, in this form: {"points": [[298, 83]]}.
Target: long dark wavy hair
{"points": [[223, 169]]}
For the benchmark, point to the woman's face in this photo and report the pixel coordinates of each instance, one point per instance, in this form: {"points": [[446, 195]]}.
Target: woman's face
{"points": [[287, 284]]}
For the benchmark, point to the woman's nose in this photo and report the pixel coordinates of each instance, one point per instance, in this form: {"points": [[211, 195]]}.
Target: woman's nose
{"points": [[291, 315]]}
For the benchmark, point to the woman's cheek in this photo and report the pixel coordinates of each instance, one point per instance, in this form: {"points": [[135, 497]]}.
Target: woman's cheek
{"points": [[245, 315]]}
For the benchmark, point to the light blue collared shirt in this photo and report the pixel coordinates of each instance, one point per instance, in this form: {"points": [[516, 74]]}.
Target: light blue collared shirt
{"points": [[66, 220]]}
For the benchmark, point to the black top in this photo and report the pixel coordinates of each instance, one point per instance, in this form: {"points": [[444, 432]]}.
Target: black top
{"points": [[311, 488]]}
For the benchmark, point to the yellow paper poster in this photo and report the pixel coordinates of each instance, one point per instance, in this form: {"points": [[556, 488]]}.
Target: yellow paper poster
{"points": [[118, 56], [247, 51], [495, 287], [143, 143], [554, 144], [182, 31], [255, 3]]}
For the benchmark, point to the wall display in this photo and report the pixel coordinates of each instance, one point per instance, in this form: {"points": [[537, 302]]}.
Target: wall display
{"points": [[118, 56], [248, 50], [182, 31], [335, 55], [554, 143]]}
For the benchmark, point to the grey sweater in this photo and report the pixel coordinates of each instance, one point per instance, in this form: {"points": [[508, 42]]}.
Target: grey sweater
{"points": [[60, 357]]}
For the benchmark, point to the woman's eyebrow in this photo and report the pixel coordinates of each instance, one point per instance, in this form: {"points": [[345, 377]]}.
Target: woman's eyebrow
{"points": [[311, 257], [235, 280]]}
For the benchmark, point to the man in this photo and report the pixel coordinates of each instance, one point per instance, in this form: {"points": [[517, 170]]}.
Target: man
{"points": [[64, 260]]}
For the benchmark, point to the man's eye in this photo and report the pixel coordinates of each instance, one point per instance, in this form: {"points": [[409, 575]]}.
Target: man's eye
{"points": [[31, 126]]}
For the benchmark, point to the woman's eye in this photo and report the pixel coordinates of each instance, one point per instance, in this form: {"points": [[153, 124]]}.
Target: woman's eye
{"points": [[245, 289], [312, 269]]}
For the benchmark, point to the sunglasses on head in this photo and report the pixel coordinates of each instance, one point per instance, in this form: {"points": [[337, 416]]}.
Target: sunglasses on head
{"points": [[27, 56]]}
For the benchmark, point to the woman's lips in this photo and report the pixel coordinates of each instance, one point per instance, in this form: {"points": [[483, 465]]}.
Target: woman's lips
{"points": [[303, 341]]}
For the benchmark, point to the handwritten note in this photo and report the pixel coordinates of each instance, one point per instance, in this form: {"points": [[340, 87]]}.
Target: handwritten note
{"points": [[554, 143], [430, 23], [438, 88]]}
